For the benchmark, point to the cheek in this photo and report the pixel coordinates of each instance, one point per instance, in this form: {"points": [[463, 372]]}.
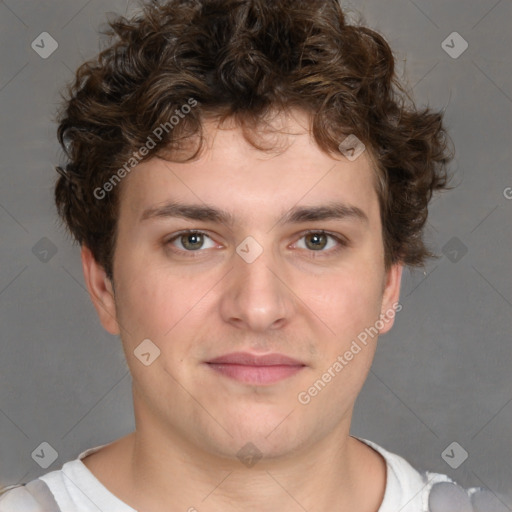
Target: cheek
{"points": [[147, 307], [155, 308], [158, 304], [347, 303]]}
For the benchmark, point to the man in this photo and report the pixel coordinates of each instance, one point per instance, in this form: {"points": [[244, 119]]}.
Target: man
{"points": [[247, 182]]}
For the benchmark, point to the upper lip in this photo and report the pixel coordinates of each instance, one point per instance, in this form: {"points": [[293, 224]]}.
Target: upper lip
{"points": [[247, 359]]}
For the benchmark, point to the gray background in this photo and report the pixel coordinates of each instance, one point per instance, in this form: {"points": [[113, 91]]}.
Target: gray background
{"points": [[441, 375]]}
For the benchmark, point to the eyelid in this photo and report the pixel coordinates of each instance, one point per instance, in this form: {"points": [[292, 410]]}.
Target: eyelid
{"points": [[175, 236], [340, 239]]}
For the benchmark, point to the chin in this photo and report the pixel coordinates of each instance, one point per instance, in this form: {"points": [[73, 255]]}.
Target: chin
{"points": [[252, 449]]}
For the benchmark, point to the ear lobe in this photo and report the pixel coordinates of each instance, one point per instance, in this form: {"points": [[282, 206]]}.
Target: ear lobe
{"points": [[100, 290], [390, 299]]}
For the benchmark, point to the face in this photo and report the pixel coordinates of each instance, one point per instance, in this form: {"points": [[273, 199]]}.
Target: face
{"points": [[266, 270]]}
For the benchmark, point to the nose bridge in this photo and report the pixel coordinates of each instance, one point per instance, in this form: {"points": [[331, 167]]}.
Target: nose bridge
{"points": [[256, 296]]}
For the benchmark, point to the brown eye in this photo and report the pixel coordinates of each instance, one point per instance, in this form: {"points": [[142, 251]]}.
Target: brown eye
{"points": [[190, 241], [316, 241], [322, 242]]}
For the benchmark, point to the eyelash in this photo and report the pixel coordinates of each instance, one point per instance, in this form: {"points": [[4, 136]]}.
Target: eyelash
{"points": [[342, 243]]}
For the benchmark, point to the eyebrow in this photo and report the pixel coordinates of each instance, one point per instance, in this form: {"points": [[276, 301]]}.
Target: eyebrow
{"points": [[296, 215]]}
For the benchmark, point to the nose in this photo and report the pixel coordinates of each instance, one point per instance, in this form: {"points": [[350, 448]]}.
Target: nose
{"points": [[256, 296]]}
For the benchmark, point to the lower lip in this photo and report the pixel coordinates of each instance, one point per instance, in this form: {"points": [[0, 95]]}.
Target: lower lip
{"points": [[256, 374]]}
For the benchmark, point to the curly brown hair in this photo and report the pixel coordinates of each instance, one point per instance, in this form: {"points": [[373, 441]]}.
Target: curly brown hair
{"points": [[242, 60]]}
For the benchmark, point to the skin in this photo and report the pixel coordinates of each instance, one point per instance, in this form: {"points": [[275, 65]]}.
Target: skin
{"points": [[303, 300]]}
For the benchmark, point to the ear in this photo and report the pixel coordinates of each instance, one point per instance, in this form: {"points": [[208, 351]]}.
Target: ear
{"points": [[100, 290], [390, 305]]}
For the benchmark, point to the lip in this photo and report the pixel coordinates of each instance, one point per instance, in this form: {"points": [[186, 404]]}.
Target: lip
{"points": [[256, 369], [248, 359]]}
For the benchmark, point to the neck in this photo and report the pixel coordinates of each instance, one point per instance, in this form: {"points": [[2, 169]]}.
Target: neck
{"points": [[337, 473]]}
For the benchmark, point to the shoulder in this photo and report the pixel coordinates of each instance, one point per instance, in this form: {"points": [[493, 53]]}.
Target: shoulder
{"points": [[34, 496], [413, 491], [448, 495], [67, 488], [17, 498]]}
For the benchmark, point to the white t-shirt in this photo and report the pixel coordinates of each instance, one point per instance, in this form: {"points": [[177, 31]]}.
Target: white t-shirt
{"points": [[76, 489]]}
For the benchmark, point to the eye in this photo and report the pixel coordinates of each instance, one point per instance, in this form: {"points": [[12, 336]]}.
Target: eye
{"points": [[190, 241], [317, 241]]}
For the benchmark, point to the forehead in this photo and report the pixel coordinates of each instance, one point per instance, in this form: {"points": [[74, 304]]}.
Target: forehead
{"points": [[232, 173]]}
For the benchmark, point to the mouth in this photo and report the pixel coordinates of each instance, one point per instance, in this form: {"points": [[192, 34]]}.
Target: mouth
{"points": [[256, 370]]}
